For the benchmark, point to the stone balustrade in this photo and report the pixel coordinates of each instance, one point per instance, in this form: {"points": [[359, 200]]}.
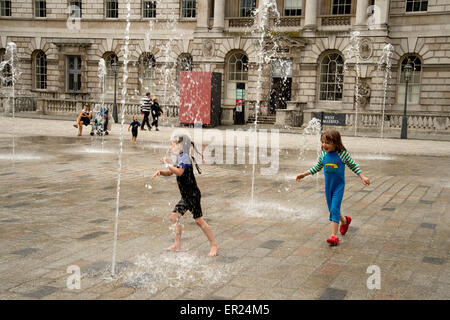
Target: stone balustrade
{"points": [[335, 20], [73, 107], [240, 22]]}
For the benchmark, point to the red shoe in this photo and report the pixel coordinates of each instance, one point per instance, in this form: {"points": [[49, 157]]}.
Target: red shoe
{"points": [[333, 241], [343, 228]]}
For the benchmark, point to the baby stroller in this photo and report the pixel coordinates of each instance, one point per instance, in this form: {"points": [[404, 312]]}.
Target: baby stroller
{"points": [[100, 123]]}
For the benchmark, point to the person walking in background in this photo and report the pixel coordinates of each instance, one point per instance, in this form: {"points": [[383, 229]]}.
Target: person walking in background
{"points": [[146, 106], [333, 158], [156, 112]]}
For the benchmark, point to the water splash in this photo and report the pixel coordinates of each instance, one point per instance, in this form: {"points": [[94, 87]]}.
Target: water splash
{"points": [[353, 51], [124, 94], [9, 73], [385, 63], [266, 8], [101, 74]]}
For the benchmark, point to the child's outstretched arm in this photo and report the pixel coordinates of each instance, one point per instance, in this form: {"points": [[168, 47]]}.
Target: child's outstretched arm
{"points": [[314, 169], [349, 162]]}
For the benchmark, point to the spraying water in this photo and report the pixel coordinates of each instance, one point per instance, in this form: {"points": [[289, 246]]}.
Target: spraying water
{"points": [[101, 74], [10, 69], [386, 64], [124, 93], [262, 18], [353, 52]]}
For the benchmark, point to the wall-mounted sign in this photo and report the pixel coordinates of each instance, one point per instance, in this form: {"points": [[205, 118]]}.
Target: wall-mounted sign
{"points": [[330, 119]]}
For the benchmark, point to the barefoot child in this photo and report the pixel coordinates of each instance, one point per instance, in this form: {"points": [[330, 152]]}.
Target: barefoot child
{"points": [[333, 158], [134, 125], [190, 195]]}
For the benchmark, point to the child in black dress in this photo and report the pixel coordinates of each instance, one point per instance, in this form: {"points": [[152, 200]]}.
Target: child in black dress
{"points": [[134, 125], [190, 196]]}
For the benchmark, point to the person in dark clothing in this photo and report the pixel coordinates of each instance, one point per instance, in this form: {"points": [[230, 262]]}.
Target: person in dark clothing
{"points": [[156, 112], [134, 125], [190, 195], [146, 107]]}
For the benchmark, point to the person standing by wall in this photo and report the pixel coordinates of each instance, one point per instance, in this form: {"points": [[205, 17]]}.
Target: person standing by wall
{"points": [[145, 109], [156, 112]]}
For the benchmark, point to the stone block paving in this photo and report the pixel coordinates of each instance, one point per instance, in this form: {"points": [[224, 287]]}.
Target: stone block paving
{"points": [[58, 206]]}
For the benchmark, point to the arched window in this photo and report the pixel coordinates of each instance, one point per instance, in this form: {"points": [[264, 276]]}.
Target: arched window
{"points": [[40, 70], [413, 83], [331, 77], [147, 65], [5, 70], [238, 67], [110, 58]]}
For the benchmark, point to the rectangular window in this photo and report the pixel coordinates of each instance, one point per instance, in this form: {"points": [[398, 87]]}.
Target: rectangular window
{"points": [[416, 5], [40, 10], [5, 8], [341, 6], [75, 9], [293, 7], [73, 80], [149, 9], [112, 9], [188, 9], [247, 8]]}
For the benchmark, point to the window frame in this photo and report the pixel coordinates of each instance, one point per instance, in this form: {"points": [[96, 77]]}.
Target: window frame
{"points": [[110, 10], [36, 9], [193, 9], [109, 76], [5, 73], [285, 8], [150, 10], [4, 9], [420, 2], [75, 3], [143, 68], [74, 72], [243, 73], [337, 76], [401, 83], [247, 9], [37, 70], [345, 5]]}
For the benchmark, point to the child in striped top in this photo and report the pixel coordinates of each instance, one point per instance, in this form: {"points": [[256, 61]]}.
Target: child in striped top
{"points": [[333, 159]]}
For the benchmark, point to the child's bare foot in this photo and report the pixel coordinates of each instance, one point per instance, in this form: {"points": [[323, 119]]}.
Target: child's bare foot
{"points": [[214, 250], [174, 247]]}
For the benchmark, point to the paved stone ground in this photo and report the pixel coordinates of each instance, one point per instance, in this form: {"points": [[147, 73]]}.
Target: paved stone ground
{"points": [[58, 203]]}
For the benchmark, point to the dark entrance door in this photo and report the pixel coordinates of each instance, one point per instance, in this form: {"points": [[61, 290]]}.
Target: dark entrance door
{"points": [[239, 115], [282, 88]]}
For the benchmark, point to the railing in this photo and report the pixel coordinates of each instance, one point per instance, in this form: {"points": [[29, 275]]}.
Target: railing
{"points": [[289, 22], [240, 22], [21, 104], [336, 20], [415, 121], [71, 107]]}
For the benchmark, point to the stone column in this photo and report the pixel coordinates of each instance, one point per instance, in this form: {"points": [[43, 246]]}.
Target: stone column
{"points": [[202, 14], [361, 12], [381, 14], [219, 15], [311, 14]]}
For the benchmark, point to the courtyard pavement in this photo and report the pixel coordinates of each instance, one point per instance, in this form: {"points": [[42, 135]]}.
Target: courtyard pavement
{"points": [[58, 206]]}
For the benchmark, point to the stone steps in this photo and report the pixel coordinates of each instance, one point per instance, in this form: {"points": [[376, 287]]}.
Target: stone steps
{"points": [[262, 119]]}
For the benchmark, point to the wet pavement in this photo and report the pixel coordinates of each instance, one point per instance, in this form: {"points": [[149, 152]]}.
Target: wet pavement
{"points": [[58, 205]]}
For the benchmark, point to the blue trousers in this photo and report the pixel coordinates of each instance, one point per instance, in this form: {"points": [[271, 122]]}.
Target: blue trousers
{"points": [[334, 200]]}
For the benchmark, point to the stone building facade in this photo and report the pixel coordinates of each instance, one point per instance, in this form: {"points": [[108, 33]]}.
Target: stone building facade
{"points": [[315, 53]]}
